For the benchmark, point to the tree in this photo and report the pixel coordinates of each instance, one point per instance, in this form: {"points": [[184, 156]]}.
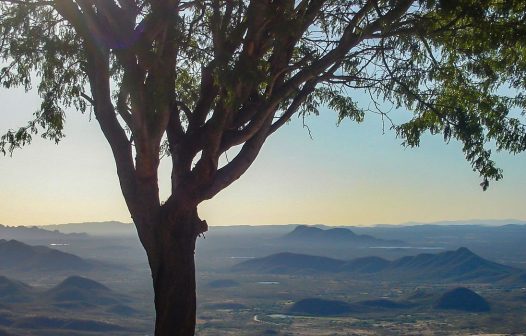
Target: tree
{"points": [[195, 79]]}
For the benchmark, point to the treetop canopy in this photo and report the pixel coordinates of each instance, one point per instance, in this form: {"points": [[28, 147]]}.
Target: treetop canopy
{"points": [[210, 75]]}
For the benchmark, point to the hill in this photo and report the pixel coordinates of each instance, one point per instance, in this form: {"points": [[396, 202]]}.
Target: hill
{"points": [[74, 292], [498, 242], [338, 236], [77, 291], [285, 263], [458, 265], [463, 299], [76, 306], [17, 256], [320, 307]]}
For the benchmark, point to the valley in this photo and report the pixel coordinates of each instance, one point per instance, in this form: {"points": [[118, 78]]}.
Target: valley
{"points": [[255, 281]]}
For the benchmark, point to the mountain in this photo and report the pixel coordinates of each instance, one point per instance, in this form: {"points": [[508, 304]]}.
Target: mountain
{"points": [[339, 236], [463, 299], [17, 256], [458, 265], [110, 228]]}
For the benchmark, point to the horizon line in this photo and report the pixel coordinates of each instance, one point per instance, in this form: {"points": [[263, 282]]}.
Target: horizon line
{"points": [[483, 222]]}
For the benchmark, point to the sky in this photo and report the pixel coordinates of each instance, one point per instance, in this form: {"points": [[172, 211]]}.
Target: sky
{"points": [[351, 174]]}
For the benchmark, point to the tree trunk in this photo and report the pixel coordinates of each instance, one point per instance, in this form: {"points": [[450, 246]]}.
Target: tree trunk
{"points": [[171, 259], [174, 286]]}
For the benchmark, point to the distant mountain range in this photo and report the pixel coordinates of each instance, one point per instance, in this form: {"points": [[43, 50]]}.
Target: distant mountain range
{"points": [[17, 256], [338, 236], [110, 228], [489, 222], [120, 228], [444, 232], [33, 233], [458, 265]]}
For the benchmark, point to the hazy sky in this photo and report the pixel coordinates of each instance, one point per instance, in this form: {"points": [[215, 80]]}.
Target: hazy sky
{"points": [[351, 174]]}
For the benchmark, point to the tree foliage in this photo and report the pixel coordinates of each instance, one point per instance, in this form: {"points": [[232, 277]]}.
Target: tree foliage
{"points": [[446, 61], [234, 61], [195, 79]]}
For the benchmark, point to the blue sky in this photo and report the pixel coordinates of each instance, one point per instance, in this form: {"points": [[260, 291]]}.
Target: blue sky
{"points": [[347, 175]]}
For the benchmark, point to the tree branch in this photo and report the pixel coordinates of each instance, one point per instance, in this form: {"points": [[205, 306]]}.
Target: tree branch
{"points": [[299, 99], [238, 166], [98, 74]]}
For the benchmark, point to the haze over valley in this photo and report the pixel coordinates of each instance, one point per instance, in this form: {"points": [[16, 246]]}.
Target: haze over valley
{"points": [[433, 279]]}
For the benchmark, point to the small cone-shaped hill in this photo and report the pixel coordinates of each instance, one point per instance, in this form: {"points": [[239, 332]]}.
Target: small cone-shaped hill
{"points": [[83, 291], [463, 299]]}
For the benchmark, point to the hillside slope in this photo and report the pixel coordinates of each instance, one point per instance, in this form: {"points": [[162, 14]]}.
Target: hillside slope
{"points": [[458, 265]]}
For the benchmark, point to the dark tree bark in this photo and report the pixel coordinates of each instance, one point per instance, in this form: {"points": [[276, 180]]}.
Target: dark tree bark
{"points": [[174, 287], [170, 253]]}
